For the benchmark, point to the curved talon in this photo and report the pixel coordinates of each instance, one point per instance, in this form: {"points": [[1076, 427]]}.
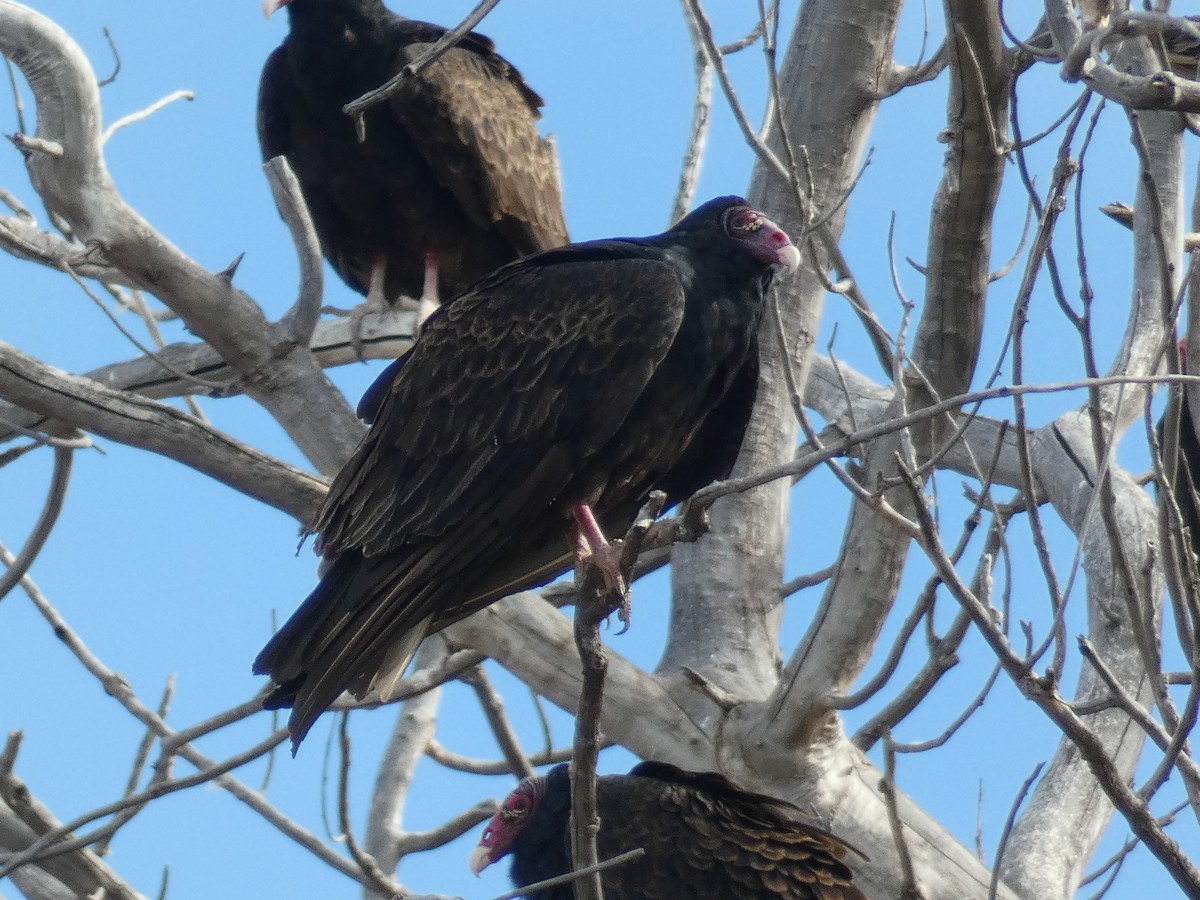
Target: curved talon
{"points": [[592, 547]]}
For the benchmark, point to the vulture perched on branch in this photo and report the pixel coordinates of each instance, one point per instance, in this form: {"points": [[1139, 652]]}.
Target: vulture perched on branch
{"points": [[704, 839], [534, 415], [450, 172], [1182, 471]]}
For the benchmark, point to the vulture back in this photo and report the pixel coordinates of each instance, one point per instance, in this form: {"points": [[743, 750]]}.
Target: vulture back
{"points": [[704, 839], [451, 164]]}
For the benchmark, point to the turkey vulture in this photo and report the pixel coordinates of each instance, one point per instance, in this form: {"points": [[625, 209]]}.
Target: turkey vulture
{"points": [[452, 169], [534, 414], [1183, 471], [705, 839]]}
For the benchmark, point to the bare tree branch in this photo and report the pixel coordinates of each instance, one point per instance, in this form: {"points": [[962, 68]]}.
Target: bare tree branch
{"points": [[131, 419]]}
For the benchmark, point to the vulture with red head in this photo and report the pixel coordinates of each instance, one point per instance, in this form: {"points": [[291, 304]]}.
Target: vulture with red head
{"points": [[704, 838], [534, 415], [450, 168]]}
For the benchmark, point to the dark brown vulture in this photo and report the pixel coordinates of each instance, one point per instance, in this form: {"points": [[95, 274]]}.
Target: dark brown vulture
{"points": [[705, 839], [534, 415], [452, 168], [1183, 473]]}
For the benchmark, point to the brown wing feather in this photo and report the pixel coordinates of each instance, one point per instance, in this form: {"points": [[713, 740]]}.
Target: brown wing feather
{"points": [[473, 121], [453, 165], [434, 517], [523, 364], [723, 841]]}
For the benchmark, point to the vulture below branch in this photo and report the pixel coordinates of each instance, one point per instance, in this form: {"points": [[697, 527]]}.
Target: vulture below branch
{"points": [[704, 839], [533, 416], [451, 174]]}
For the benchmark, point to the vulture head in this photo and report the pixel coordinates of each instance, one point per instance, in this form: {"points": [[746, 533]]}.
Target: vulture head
{"points": [[762, 238], [530, 818]]}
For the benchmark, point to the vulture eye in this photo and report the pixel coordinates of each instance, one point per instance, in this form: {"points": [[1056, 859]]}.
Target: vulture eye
{"points": [[518, 805], [744, 221]]}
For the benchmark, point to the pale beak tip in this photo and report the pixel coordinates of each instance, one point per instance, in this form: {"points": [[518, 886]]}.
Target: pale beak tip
{"points": [[479, 860], [789, 257]]}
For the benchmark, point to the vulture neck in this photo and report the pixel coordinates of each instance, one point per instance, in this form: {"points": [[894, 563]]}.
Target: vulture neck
{"points": [[321, 17], [335, 48]]}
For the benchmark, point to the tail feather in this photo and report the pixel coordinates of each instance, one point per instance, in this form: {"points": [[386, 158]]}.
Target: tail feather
{"points": [[318, 652], [361, 625]]}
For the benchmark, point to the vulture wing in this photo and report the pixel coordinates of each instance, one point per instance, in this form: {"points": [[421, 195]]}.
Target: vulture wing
{"points": [[588, 376], [451, 165], [510, 391], [472, 119], [704, 838]]}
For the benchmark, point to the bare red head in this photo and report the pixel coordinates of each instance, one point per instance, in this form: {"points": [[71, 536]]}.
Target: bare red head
{"points": [[765, 241], [506, 826]]}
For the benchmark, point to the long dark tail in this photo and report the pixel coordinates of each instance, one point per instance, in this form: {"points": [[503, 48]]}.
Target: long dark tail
{"points": [[352, 626]]}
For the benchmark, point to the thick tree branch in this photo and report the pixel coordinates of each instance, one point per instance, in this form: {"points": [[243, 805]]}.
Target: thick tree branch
{"points": [[139, 422], [385, 335]]}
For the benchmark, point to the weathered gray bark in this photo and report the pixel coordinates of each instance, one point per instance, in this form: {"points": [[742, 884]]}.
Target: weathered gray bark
{"points": [[1067, 812], [414, 729]]}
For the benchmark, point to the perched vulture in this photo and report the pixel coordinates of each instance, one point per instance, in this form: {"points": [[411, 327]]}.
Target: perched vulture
{"points": [[1183, 470], [705, 839], [533, 416], [451, 169]]}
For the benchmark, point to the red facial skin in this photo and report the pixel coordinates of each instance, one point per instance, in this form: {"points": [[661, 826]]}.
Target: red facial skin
{"points": [[502, 830], [765, 241]]}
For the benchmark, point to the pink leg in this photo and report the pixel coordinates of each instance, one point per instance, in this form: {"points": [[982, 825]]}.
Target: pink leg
{"points": [[376, 302], [429, 291], [589, 528], [590, 543]]}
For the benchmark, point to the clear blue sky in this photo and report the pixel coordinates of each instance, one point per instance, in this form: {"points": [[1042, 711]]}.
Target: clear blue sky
{"points": [[162, 571]]}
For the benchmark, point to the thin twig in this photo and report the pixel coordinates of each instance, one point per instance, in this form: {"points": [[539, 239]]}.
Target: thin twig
{"points": [[145, 113], [803, 582], [1009, 822], [18, 103], [460, 763], [693, 156], [380, 880], [909, 889], [112, 45], [356, 108], [593, 605], [493, 709], [618, 860], [61, 477], [142, 755], [299, 321]]}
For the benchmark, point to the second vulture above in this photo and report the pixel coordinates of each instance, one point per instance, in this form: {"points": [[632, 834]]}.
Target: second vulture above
{"points": [[534, 415], [451, 169]]}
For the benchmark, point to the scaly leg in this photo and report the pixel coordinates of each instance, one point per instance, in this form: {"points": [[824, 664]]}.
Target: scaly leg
{"points": [[591, 544], [429, 293], [376, 302]]}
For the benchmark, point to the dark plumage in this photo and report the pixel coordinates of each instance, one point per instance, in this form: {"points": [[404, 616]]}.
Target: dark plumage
{"points": [[705, 839], [1183, 473], [576, 380], [452, 164]]}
